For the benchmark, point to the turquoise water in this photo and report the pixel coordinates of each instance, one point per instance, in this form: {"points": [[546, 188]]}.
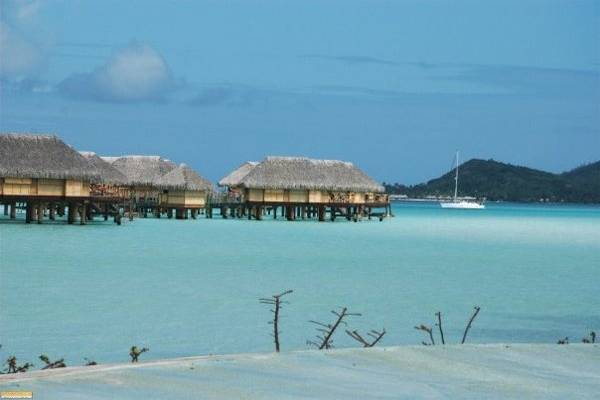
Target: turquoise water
{"points": [[192, 287]]}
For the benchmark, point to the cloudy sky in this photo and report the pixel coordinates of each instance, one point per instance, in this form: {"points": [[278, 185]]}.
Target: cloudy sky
{"points": [[395, 87]]}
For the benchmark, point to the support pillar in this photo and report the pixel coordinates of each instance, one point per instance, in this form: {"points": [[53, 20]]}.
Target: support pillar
{"points": [[40, 213], [5, 209], [321, 212], [52, 211], [71, 213], [83, 214], [28, 212], [13, 210]]}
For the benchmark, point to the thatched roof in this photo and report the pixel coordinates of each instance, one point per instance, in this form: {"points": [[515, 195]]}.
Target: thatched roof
{"points": [[184, 178], [306, 173], [108, 173], [41, 157], [143, 170], [235, 177]]}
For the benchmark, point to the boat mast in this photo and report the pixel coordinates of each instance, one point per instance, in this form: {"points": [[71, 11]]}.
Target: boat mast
{"points": [[456, 179]]}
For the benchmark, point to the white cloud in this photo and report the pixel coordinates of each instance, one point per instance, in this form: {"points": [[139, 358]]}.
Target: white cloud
{"points": [[135, 73], [21, 56]]}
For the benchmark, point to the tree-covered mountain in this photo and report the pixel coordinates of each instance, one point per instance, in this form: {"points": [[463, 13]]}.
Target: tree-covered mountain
{"points": [[495, 180]]}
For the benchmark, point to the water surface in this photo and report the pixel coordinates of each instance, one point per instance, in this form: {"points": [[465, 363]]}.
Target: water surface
{"points": [[192, 287]]}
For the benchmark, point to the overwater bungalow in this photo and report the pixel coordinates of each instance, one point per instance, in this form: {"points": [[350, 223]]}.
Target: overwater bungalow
{"points": [[111, 182], [233, 181], [183, 190], [303, 188], [142, 175], [41, 173]]}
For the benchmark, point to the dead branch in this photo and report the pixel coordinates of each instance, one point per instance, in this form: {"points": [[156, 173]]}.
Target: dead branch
{"points": [[439, 325], [590, 339], [374, 334], [52, 364], [276, 302], [477, 308], [427, 329], [134, 353], [329, 329], [13, 367], [563, 341]]}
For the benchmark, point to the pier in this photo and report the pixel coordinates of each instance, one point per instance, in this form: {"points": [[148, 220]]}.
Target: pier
{"points": [[44, 178]]}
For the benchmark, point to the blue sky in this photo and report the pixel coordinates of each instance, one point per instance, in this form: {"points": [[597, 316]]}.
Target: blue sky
{"points": [[395, 87]]}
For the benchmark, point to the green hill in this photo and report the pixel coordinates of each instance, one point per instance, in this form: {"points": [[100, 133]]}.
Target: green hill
{"points": [[495, 180]]}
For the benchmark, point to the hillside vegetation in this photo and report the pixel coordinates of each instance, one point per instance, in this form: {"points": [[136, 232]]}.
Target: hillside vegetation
{"points": [[495, 180]]}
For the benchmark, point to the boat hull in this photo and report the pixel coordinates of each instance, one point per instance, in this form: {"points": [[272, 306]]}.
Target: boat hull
{"points": [[463, 205]]}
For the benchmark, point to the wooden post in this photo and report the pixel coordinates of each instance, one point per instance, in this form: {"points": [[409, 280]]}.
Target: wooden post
{"points": [[28, 212], [40, 213], [52, 211], [71, 213], [13, 210], [5, 209], [34, 210], [321, 213], [274, 212], [169, 213], [194, 212], [83, 214], [249, 212]]}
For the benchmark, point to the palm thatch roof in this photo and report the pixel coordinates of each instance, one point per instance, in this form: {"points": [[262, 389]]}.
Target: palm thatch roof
{"points": [[236, 176], [305, 174], [108, 173], [143, 170], [184, 178], [42, 157]]}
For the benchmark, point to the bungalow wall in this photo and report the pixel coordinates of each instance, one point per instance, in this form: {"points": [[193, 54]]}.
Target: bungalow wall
{"points": [[44, 187], [184, 198], [306, 196]]}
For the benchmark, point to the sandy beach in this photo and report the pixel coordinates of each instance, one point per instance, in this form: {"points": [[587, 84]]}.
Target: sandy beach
{"points": [[496, 371]]}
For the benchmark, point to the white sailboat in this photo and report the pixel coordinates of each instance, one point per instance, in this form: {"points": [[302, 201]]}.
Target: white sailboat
{"points": [[460, 203]]}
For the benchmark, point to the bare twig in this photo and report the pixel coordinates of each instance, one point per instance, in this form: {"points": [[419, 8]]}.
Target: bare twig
{"points": [[52, 364], [13, 367], [276, 302], [327, 330], [427, 329], [134, 353], [374, 334], [477, 308], [590, 339], [439, 324]]}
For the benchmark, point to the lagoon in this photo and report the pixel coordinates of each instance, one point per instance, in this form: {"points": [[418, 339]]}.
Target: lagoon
{"points": [[191, 287]]}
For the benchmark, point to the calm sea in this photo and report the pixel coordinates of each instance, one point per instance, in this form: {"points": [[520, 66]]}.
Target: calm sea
{"points": [[192, 287]]}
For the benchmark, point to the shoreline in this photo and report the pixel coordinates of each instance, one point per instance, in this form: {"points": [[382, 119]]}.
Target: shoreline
{"points": [[181, 361], [470, 371]]}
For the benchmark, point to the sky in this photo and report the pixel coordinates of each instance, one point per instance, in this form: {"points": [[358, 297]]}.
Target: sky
{"points": [[394, 86]]}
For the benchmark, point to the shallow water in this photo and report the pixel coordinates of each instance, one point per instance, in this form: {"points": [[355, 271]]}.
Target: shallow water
{"points": [[192, 287]]}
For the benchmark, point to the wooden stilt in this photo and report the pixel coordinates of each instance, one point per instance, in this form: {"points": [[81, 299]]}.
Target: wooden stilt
{"points": [[13, 210], [72, 210], [83, 214], [52, 211], [28, 212], [5, 209], [40, 213], [321, 213]]}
